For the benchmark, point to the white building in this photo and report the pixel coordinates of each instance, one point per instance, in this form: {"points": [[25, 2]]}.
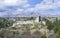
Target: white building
{"points": [[37, 19]]}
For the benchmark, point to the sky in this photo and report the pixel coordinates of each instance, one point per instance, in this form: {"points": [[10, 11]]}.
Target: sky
{"points": [[14, 8]]}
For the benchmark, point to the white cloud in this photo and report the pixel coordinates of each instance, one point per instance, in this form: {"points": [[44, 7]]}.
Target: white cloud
{"points": [[10, 2], [43, 6], [39, 8], [20, 3], [3, 14], [18, 11], [48, 4], [29, 10]]}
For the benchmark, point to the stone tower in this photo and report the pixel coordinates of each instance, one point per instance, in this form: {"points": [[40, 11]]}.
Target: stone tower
{"points": [[38, 19]]}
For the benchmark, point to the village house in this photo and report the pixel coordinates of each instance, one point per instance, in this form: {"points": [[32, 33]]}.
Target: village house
{"points": [[28, 20]]}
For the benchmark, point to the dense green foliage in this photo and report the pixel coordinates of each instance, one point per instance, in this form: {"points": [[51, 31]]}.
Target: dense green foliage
{"points": [[54, 26], [25, 18], [43, 36], [49, 24], [5, 23]]}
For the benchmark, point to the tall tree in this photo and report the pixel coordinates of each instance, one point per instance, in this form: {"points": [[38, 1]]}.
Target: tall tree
{"points": [[5, 23]]}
